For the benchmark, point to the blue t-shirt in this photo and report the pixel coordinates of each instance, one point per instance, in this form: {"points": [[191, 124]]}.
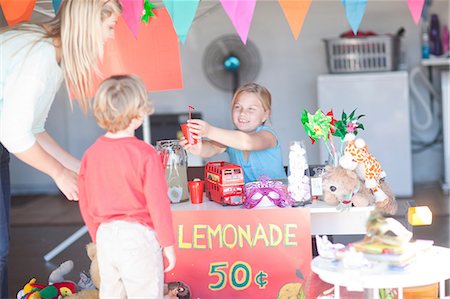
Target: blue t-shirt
{"points": [[268, 161]]}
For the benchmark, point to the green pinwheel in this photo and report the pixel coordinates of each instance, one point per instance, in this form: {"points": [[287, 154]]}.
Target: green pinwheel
{"points": [[348, 124], [148, 11], [317, 125]]}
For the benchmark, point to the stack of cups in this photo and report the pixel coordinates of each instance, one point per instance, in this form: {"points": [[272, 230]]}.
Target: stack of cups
{"points": [[299, 184]]}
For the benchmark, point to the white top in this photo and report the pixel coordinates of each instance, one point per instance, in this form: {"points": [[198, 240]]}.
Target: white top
{"points": [[29, 80], [430, 266]]}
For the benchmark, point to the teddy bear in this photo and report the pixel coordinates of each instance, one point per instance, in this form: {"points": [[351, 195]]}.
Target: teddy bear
{"points": [[343, 188], [95, 276]]}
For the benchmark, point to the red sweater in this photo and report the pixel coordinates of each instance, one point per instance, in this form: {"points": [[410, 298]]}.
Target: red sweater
{"points": [[123, 179]]}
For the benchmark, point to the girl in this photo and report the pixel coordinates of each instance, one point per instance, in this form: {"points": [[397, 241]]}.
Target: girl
{"points": [[35, 60], [253, 145]]}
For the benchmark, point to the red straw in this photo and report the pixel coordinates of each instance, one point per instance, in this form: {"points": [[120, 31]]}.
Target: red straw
{"points": [[189, 111]]}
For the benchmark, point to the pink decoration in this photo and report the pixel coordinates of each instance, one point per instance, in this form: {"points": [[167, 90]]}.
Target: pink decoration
{"points": [[241, 13], [415, 7], [132, 13]]}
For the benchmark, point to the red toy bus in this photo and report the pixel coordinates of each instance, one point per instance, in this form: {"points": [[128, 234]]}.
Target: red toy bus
{"points": [[224, 183]]}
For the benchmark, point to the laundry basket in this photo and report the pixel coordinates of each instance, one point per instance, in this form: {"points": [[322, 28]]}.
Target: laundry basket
{"points": [[363, 54]]}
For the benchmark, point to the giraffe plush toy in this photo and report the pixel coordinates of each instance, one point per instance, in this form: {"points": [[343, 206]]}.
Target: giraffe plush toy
{"points": [[358, 158]]}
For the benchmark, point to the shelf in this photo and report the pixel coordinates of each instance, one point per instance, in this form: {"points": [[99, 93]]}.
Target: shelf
{"points": [[436, 61]]}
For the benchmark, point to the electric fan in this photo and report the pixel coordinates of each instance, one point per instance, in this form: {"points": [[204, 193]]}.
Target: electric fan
{"points": [[228, 63]]}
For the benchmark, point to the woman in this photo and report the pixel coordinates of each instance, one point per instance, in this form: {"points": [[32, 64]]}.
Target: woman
{"points": [[35, 60]]}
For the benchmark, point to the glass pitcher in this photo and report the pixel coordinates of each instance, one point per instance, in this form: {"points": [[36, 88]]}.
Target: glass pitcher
{"points": [[174, 159]]}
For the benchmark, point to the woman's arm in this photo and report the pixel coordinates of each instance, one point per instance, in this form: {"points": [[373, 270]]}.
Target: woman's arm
{"points": [[61, 155], [234, 138], [65, 179]]}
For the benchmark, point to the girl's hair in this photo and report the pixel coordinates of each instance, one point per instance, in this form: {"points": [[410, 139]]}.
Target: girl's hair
{"points": [[119, 100], [261, 92], [78, 24]]}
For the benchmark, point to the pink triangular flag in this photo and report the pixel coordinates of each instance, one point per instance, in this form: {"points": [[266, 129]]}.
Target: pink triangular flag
{"points": [[132, 13], [240, 13], [415, 7]]}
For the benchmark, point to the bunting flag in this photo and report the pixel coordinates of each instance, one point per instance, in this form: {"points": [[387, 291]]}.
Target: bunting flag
{"points": [[154, 56], [56, 4], [416, 7], [354, 10], [182, 13], [295, 12], [240, 13], [17, 11], [131, 13]]}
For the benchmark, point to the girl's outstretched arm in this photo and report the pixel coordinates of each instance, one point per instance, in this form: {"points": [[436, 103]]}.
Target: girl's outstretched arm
{"points": [[204, 148], [233, 138]]}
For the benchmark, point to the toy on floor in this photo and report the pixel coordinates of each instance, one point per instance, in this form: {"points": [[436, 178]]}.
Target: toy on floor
{"points": [[58, 287], [176, 290], [357, 157], [342, 188], [95, 276]]}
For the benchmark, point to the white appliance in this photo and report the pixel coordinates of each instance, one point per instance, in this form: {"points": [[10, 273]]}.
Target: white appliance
{"points": [[384, 99], [445, 82]]}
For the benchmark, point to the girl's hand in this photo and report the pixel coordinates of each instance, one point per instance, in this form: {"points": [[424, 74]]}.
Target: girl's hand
{"points": [[199, 127], [67, 182], [195, 149], [169, 253]]}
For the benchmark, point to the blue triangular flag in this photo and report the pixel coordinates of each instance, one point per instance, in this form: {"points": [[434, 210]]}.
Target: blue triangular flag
{"points": [[354, 10], [182, 13]]}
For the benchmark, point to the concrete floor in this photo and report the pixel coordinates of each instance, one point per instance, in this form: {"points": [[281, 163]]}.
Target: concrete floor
{"points": [[39, 223]]}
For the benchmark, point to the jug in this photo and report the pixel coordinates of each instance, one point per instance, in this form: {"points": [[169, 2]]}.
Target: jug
{"points": [[174, 159]]}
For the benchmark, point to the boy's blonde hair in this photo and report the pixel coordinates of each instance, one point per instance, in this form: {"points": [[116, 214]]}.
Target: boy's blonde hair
{"points": [[261, 93], [78, 24], [119, 100]]}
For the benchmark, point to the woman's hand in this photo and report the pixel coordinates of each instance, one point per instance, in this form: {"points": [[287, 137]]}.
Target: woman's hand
{"points": [[169, 253], [67, 182]]}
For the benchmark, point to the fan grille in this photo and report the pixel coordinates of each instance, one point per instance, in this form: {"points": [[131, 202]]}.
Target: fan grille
{"points": [[219, 50]]}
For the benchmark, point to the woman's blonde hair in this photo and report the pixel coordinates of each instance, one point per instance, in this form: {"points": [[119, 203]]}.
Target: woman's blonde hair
{"points": [[119, 100], [261, 93], [78, 24]]}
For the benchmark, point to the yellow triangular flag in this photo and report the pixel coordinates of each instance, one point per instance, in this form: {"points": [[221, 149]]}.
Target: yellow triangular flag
{"points": [[295, 12]]}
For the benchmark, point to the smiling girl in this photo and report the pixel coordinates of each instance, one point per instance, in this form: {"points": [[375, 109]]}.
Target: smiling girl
{"points": [[253, 145]]}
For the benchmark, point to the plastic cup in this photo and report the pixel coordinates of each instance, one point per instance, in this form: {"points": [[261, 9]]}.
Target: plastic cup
{"points": [[187, 134], [196, 191]]}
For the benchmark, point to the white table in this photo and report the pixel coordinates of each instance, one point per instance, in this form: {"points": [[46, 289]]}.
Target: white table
{"points": [[430, 266], [325, 219]]}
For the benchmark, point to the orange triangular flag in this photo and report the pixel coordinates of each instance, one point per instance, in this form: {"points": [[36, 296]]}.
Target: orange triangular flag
{"points": [[154, 55], [295, 12], [16, 11]]}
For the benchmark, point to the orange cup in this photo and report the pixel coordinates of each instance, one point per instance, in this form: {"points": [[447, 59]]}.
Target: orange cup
{"points": [[196, 191], [187, 134]]}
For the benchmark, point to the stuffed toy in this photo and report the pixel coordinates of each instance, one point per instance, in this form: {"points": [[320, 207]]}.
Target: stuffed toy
{"points": [[95, 276], [58, 287], [343, 188], [176, 290], [358, 158]]}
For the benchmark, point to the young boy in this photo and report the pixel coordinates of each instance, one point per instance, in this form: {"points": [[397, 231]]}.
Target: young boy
{"points": [[123, 196]]}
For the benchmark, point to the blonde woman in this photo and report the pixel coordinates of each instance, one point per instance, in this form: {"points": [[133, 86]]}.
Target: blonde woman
{"points": [[36, 58]]}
